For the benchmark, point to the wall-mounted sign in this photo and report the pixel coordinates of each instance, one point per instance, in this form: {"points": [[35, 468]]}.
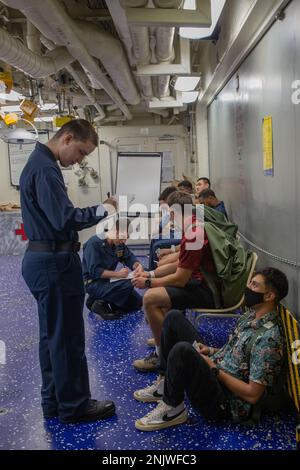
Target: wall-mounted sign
{"points": [[268, 146]]}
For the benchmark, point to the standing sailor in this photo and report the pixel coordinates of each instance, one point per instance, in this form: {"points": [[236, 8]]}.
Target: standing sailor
{"points": [[52, 271]]}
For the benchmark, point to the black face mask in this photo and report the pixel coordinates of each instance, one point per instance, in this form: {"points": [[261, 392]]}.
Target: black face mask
{"points": [[253, 298]]}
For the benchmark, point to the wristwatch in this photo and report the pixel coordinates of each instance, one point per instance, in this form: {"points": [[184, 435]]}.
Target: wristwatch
{"points": [[215, 371], [148, 283]]}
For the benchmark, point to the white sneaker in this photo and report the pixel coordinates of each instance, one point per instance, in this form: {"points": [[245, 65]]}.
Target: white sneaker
{"points": [[163, 416], [152, 393]]}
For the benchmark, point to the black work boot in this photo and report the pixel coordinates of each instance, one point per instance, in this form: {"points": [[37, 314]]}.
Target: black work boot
{"points": [[95, 411]]}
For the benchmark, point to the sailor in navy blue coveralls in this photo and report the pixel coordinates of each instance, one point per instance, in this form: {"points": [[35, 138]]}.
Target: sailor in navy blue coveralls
{"points": [[52, 270], [100, 255]]}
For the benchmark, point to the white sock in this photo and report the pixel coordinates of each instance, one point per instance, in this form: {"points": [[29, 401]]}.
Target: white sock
{"points": [[177, 409], [160, 388], [157, 350]]}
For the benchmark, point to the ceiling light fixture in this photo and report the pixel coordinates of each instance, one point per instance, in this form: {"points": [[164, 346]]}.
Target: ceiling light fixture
{"points": [[20, 135], [12, 96], [16, 108], [189, 96], [200, 33], [186, 83]]}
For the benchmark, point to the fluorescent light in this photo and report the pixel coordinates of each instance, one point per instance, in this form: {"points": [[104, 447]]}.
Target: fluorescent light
{"points": [[189, 5], [48, 106], [44, 119], [12, 96], [200, 33], [16, 108], [19, 136], [189, 96], [186, 83], [11, 109]]}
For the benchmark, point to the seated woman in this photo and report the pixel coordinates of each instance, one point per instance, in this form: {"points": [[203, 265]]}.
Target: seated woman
{"points": [[101, 257]]}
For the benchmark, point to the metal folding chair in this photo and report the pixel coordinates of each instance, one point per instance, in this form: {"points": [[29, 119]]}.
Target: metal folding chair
{"points": [[224, 312]]}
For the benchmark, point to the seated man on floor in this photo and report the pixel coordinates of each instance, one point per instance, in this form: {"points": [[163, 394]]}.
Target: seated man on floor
{"points": [[180, 284], [101, 257], [163, 236], [208, 198], [225, 383]]}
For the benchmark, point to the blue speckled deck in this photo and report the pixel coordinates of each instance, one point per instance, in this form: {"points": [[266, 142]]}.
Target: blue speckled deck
{"points": [[111, 348]]}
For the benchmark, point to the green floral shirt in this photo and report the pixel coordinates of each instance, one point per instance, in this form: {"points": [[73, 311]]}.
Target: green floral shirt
{"points": [[266, 357]]}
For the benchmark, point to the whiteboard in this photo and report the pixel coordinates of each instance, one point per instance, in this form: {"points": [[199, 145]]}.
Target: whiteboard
{"points": [[139, 178], [18, 155]]}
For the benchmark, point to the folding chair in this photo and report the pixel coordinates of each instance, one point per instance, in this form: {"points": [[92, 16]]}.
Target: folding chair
{"points": [[292, 335], [224, 312]]}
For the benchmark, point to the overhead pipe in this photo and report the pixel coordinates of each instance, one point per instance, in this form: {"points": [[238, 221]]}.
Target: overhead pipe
{"points": [[56, 24], [79, 80], [111, 54], [66, 31], [140, 46], [164, 47], [14, 53], [33, 38]]}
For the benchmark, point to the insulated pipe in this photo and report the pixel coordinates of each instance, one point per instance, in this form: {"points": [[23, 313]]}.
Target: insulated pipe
{"points": [[14, 53], [80, 82], [86, 90], [70, 35], [164, 47], [111, 54], [76, 36], [33, 38], [140, 46]]}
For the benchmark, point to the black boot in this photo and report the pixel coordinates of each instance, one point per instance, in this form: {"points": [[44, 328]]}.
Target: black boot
{"points": [[95, 411], [104, 309], [89, 302]]}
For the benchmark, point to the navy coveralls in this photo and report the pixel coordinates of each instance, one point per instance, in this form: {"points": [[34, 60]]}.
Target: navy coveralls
{"points": [[99, 256], [55, 280]]}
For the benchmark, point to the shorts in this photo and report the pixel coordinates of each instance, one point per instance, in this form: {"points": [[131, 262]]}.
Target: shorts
{"points": [[196, 294]]}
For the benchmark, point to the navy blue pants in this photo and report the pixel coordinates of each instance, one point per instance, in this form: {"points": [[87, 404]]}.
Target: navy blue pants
{"points": [[120, 294], [55, 280]]}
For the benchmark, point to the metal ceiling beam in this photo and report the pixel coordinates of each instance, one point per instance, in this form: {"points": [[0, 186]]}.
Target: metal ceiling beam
{"points": [[199, 18]]}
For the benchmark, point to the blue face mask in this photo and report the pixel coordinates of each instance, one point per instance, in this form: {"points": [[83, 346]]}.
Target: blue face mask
{"points": [[253, 298]]}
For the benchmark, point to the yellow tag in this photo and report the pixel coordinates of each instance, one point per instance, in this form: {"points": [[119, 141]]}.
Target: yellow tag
{"points": [[59, 121], [10, 119], [29, 107]]}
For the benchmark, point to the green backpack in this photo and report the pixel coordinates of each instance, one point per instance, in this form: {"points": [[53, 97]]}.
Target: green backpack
{"points": [[232, 261]]}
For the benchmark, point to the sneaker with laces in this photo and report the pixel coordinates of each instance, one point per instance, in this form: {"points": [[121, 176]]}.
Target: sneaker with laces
{"points": [[152, 393], [161, 417], [148, 364]]}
